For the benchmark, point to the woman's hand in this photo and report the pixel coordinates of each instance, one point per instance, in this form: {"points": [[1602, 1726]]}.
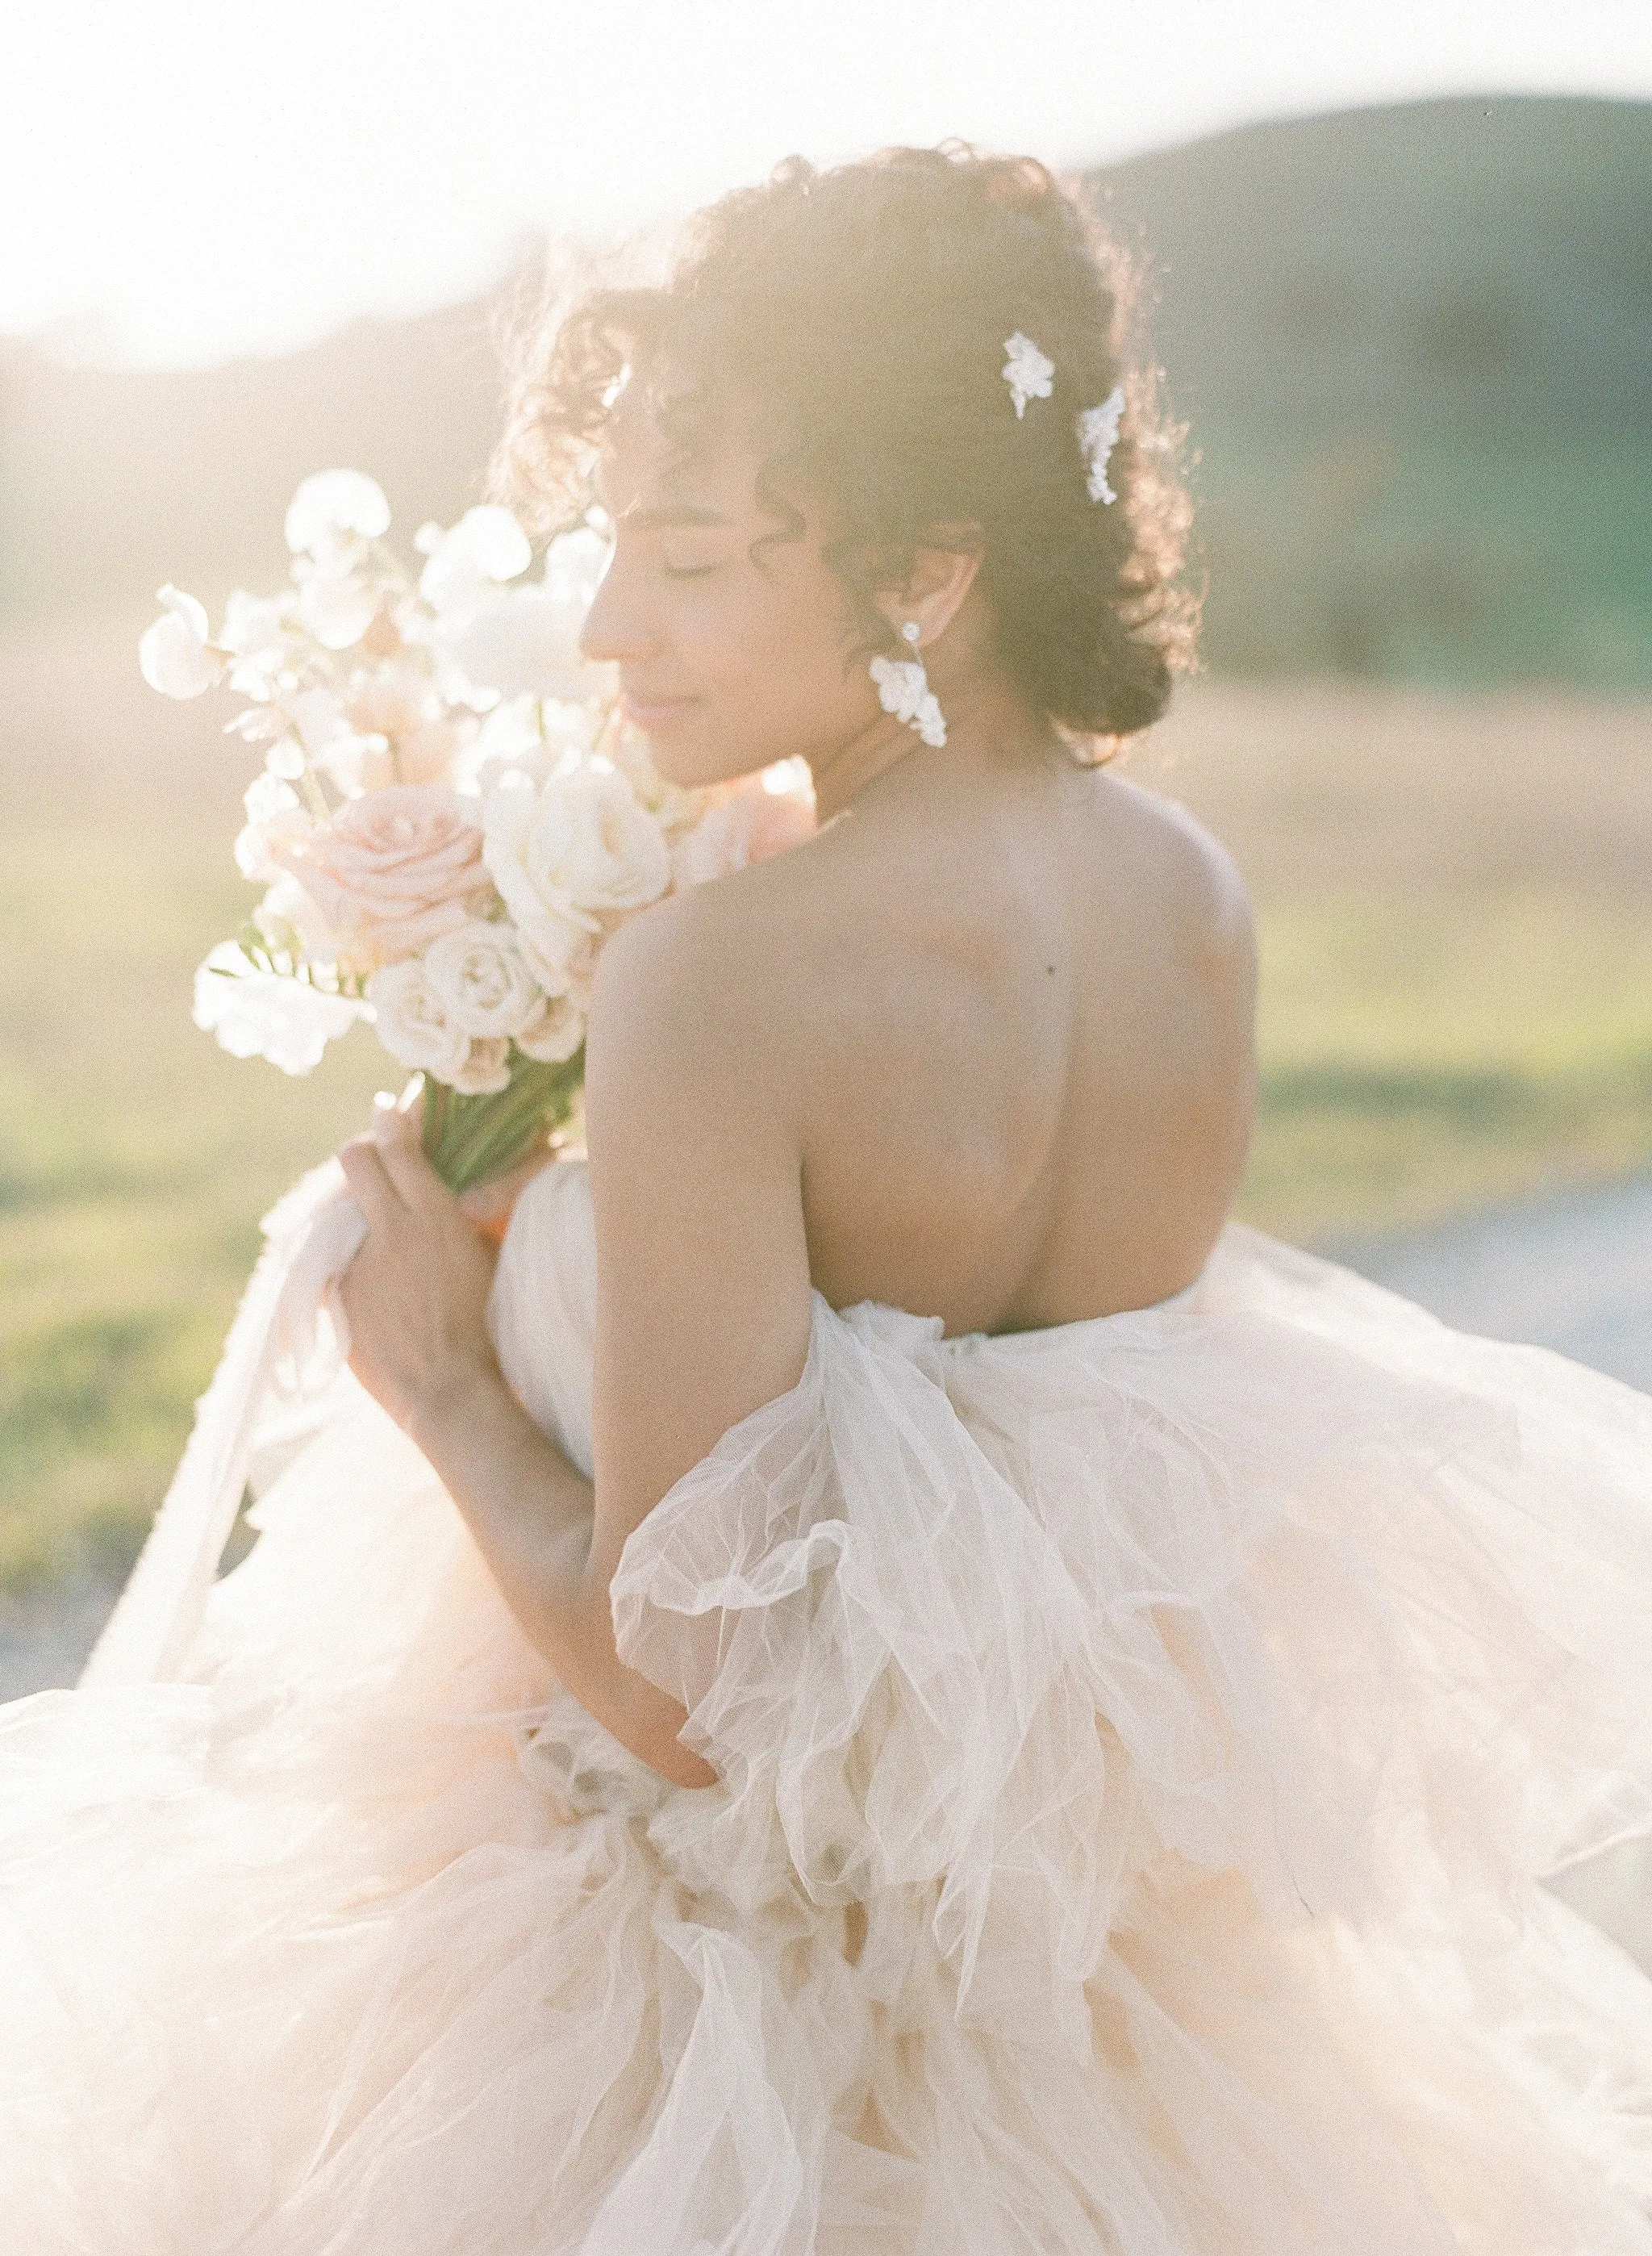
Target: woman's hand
{"points": [[416, 1296], [490, 1204]]}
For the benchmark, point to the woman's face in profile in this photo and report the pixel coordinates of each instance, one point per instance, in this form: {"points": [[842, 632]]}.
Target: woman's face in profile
{"points": [[728, 660]]}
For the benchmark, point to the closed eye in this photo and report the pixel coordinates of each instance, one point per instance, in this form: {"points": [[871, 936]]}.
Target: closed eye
{"points": [[687, 571]]}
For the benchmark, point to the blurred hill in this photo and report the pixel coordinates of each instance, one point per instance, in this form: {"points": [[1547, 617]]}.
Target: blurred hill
{"points": [[1414, 345]]}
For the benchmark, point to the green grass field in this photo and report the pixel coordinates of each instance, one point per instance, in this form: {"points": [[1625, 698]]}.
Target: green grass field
{"points": [[1433, 1033]]}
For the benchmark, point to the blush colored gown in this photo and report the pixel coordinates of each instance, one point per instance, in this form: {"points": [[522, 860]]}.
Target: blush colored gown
{"points": [[1138, 1742]]}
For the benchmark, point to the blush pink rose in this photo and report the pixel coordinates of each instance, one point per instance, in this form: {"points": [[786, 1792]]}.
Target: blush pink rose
{"points": [[748, 824], [393, 870]]}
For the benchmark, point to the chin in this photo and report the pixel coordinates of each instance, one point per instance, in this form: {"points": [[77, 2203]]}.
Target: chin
{"points": [[695, 757]]}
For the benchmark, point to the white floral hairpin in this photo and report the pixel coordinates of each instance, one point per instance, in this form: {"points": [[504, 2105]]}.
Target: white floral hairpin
{"points": [[1098, 436], [1027, 372]]}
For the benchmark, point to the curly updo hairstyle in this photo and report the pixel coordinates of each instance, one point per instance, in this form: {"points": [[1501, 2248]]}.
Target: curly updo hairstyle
{"points": [[857, 319]]}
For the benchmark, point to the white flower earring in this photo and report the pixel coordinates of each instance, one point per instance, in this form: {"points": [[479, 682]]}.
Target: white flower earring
{"points": [[902, 689]]}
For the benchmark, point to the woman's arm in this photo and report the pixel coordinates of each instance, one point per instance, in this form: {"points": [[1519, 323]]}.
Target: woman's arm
{"points": [[703, 1305], [415, 1296]]}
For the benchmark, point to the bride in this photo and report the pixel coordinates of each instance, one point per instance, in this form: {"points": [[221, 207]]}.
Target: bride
{"points": [[876, 1682]]}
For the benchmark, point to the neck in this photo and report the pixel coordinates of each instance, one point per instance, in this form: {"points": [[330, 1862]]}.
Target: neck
{"points": [[985, 721]]}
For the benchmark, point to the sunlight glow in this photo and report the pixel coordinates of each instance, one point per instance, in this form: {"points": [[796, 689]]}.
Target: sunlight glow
{"points": [[208, 177]]}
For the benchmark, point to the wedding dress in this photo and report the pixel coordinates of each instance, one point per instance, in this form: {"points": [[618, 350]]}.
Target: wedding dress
{"points": [[1138, 1741]]}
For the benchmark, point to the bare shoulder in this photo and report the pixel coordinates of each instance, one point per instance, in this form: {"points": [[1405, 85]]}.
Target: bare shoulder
{"points": [[690, 995], [1166, 854]]}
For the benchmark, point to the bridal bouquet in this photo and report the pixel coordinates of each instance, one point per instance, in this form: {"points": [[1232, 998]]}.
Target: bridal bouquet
{"points": [[453, 815]]}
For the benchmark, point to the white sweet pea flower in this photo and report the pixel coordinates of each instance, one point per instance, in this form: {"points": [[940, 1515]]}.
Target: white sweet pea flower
{"points": [[574, 564], [292, 924], [257, 725], [335, 504], [524, 640], [481, 975], [485, 547], [552, 1037], [275, 814], [256, 1013], [256, 633], [336, 606], [175, 655], [414, 1022]]}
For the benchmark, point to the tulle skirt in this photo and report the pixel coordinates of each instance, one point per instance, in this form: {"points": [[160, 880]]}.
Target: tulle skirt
{"points": [[1139, 1744]]}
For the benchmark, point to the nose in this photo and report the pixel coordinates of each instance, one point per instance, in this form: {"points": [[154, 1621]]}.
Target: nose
{"points": [[616, 629]]}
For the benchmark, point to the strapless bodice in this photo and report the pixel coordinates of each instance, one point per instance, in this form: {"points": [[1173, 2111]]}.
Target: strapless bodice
{"points": [[543, 1309]]}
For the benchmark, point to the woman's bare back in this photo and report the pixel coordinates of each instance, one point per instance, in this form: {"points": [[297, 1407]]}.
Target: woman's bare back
{"points": [[1014, 1022]]}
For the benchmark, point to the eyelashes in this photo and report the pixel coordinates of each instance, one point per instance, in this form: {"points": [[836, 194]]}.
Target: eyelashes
{"points": [[687, 571]]}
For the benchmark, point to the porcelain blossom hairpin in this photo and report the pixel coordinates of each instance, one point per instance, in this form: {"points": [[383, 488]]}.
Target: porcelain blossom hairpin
{"points": [[1097, 436], [1027, 372]]}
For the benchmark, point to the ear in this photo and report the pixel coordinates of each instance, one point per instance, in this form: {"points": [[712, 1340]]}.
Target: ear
{"points": [[940, 579]]}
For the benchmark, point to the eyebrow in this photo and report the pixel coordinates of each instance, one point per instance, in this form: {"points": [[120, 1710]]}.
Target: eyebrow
{"points": [[655, 520]]}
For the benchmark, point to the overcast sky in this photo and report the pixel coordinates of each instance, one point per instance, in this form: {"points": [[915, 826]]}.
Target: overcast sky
{"points": [[190, 178]]}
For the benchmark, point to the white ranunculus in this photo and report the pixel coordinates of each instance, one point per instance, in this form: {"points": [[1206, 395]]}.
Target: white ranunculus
{"points": [[174, 655], [482, 979], [563, 857], [556, 1034], [467, 563], [257, 1013], [332, 503], [486, 1069], [414, 1022], [275, 816]]}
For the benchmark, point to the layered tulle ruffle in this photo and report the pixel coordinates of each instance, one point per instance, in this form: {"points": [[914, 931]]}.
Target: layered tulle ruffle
{"points": [[1138, 1745]]}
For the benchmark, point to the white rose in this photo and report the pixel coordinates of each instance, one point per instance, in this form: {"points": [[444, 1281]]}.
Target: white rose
{"points": [[556, 1034], [257, 1013], [334, 504], [174, 655], [414, 1024], [486, 1069], [584, 845], [582, 848], [481, 975]]}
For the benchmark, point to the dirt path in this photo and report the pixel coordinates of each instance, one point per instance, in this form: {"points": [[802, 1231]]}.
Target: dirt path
{"points": [[1573, 1274]]}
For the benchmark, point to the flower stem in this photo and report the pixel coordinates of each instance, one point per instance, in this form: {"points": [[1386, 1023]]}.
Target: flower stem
{"points": [[469, 1138]]}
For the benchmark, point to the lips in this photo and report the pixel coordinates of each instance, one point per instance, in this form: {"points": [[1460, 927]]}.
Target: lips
{"points": [[654, 712]]}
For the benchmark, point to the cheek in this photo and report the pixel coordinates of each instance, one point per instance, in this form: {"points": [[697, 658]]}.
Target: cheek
{"points": [[766, 656], [795, 689]]}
